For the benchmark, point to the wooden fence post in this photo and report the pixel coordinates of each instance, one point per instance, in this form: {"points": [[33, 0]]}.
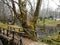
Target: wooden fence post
{"points": [[7, 32], [13, 33], [0, 29], [19, 29], [3, 31], [21, 43]]}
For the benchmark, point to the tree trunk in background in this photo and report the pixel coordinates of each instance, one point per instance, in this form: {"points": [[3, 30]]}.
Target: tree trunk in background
{"points": [[36, 13], [14, 10]]}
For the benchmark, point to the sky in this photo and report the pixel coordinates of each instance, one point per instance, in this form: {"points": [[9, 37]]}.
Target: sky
{"points": [[50, 4], [45, 3]]}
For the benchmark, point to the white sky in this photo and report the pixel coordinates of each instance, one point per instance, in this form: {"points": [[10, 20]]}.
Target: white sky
{"points": [[51, 4]]}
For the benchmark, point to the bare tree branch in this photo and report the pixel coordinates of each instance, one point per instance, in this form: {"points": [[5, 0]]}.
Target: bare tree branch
{"points": [[6, 3], [30, 4], [56, 3], [16, 2]]}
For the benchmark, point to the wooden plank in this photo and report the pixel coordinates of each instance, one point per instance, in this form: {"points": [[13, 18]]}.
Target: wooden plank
{"points": [[5, 37], [13, 26]]}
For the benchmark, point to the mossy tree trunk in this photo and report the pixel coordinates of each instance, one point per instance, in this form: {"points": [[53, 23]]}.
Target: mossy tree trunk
{"points": [[22, 17]]}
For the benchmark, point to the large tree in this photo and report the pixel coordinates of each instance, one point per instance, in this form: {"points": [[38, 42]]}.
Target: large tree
{"points": [[22, 16]]}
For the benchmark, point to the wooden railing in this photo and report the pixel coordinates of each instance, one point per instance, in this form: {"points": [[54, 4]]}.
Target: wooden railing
{"points": [[11, 35]]}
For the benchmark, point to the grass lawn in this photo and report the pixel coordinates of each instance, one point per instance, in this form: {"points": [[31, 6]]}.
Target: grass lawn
{"points": [[52, 40], [47, 22]]}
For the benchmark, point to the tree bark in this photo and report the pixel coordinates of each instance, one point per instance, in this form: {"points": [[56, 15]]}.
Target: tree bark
{"points": [[23, 17], [36, 13], [32, 23]]}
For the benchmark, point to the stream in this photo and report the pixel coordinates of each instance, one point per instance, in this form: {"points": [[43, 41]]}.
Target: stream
{"points": [[49, 30]]}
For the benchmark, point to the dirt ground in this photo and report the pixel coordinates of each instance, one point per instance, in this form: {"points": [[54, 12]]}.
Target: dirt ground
{"points": [[27, 41]]}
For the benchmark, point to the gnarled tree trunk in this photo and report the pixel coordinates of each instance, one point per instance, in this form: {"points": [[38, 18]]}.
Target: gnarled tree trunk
{"points": [[23, 17]]}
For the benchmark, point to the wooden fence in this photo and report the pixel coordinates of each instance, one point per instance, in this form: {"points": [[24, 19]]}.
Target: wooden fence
{"points": [[14, 37], [11, 37]]}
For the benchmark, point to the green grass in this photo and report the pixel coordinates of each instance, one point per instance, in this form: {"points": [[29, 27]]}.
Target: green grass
{"points": [[46, 21], [52, 40], [49, 21]]}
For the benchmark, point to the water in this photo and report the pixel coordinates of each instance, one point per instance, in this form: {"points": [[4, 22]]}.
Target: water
{"points": [[49, 30]]}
